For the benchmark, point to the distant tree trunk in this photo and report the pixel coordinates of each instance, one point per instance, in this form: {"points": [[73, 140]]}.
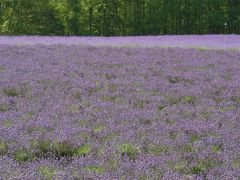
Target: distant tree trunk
{"points": [[124, 18], [90, 19], [68, 18], [165, 16]]}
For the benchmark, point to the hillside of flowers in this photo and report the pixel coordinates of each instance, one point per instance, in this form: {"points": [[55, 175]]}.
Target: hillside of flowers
{"points": [[73, 111]]}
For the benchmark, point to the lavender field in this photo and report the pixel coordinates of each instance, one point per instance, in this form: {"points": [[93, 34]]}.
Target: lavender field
{"points": [[165, 107]]}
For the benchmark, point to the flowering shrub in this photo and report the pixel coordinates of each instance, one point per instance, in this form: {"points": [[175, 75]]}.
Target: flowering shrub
{"points": [[102, 112]]}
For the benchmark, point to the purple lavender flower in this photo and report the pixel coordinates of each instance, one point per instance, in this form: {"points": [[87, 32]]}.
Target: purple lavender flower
{"points": [[112, 108]]}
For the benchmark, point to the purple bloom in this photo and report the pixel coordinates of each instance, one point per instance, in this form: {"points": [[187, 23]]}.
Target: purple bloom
{"points": [[106, 108]]}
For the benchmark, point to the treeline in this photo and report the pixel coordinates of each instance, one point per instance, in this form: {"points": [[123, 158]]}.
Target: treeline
{"points": [[119, 17]]}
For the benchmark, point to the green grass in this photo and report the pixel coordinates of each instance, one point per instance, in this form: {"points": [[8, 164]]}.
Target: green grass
{"points": [[63, 149], [43, 148], [82, 122], [111, 136], [77, 95], [187, 113], [124, 122], [189, 99], [173, 135], [142, 178], [203, 166], [11, 92], [27, 116], [95, 169], [182, 166], [108, 98], [112, 87], [7, 123], [227, 77], [173, 100], [3, 148], [236, 163], [205, 114], [39, 129], [112, 164], [226, 109], [170, 122], [187, 148], [83, 150], [198, 169], [22, 156], [140, 104], [91, 91], [193, 137], [86, 136], [129, 150], [46, 148], [173, 79], [236, 99], [234, 49], [109, 76], [2, 69], [145, 121], [47, 172], [201, 48], [4, 108], [73, 109], [115, 65], [156, 149], [98, 128], [217, 147], [160, 107]]}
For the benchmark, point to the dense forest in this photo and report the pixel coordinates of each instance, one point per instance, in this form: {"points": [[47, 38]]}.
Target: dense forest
{"points": [[119, 17]]}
